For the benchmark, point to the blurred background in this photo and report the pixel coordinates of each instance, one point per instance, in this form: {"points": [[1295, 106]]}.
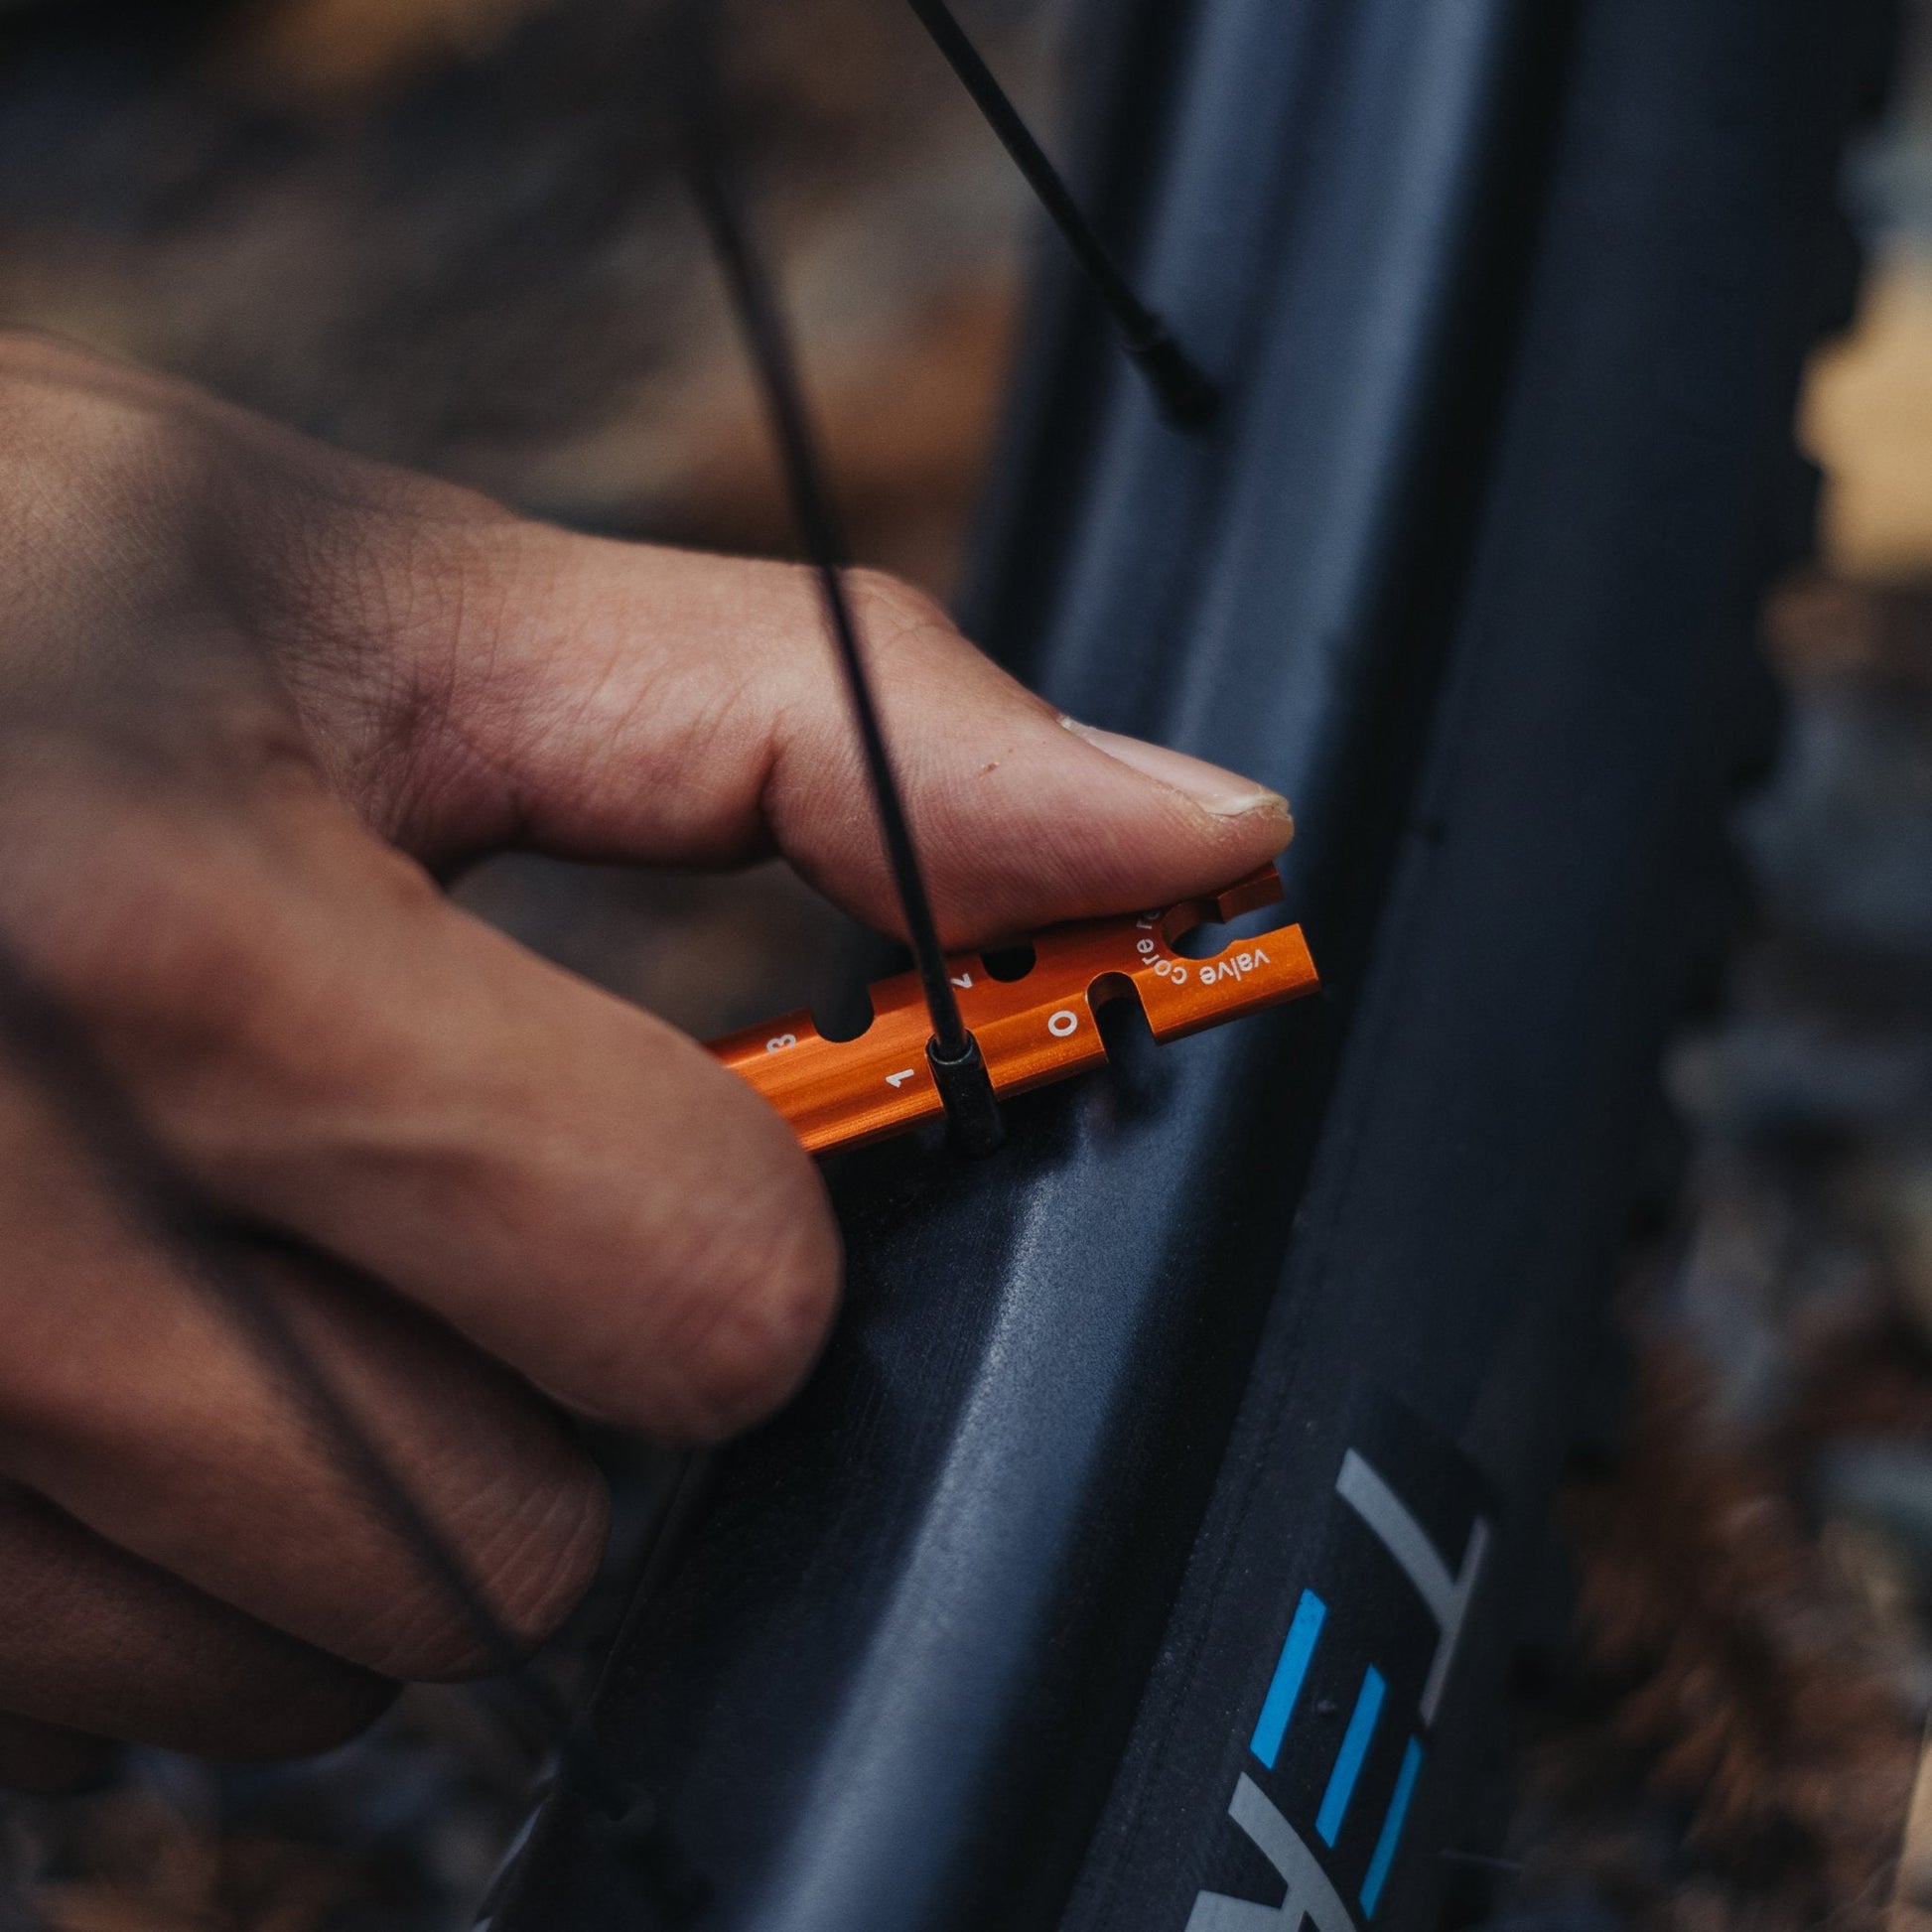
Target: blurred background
{"points": [[450, 233]]}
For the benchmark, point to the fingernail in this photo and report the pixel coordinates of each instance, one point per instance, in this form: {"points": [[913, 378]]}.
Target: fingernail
{"points": [[1225, 793]]}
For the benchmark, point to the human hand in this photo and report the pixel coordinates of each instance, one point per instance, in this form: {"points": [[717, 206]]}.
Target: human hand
{"points": [[252, 695]]}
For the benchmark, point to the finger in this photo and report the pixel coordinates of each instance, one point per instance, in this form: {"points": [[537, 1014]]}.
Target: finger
{"points": [[131, 1396], [93, 1640], [337, 1051], [621, 701], [470, 679]]}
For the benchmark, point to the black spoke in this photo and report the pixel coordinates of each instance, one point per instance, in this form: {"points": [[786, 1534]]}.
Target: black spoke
{"points": [[1185, 395], [958, 1069]]}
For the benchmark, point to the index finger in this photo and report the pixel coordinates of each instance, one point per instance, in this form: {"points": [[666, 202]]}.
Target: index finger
{"points": [[620, 701]]}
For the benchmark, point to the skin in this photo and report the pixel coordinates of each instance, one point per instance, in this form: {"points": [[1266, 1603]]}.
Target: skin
{"points": [[255, 697]]}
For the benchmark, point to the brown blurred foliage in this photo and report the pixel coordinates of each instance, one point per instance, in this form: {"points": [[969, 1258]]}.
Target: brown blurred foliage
{"points": [[1726, 1671], [453, 233]]}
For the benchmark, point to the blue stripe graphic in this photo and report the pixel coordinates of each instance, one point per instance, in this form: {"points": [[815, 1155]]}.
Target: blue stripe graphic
{"points": [[1348, 1760], [1385, 1845], [1277, 1708]]}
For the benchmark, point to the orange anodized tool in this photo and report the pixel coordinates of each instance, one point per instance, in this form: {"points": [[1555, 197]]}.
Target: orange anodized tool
{"points": [[1031, 1029]]}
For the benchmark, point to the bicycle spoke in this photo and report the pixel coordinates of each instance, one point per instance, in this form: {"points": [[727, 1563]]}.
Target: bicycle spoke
{"points": [[958, 1068], [1187, 397]]}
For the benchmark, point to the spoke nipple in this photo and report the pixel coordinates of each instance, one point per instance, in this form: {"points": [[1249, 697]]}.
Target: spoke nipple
{"points": [[973, 1122], [1186, 397]]}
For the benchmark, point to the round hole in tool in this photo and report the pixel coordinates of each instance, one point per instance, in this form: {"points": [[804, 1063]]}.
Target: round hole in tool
{"points": [[1008, 963]]}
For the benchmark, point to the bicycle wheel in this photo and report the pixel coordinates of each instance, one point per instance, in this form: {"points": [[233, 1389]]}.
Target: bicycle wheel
{"points": [[1144, 1553]]}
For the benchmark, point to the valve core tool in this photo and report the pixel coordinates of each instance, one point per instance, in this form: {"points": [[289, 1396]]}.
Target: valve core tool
{"points": [[1033, 1028]]}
